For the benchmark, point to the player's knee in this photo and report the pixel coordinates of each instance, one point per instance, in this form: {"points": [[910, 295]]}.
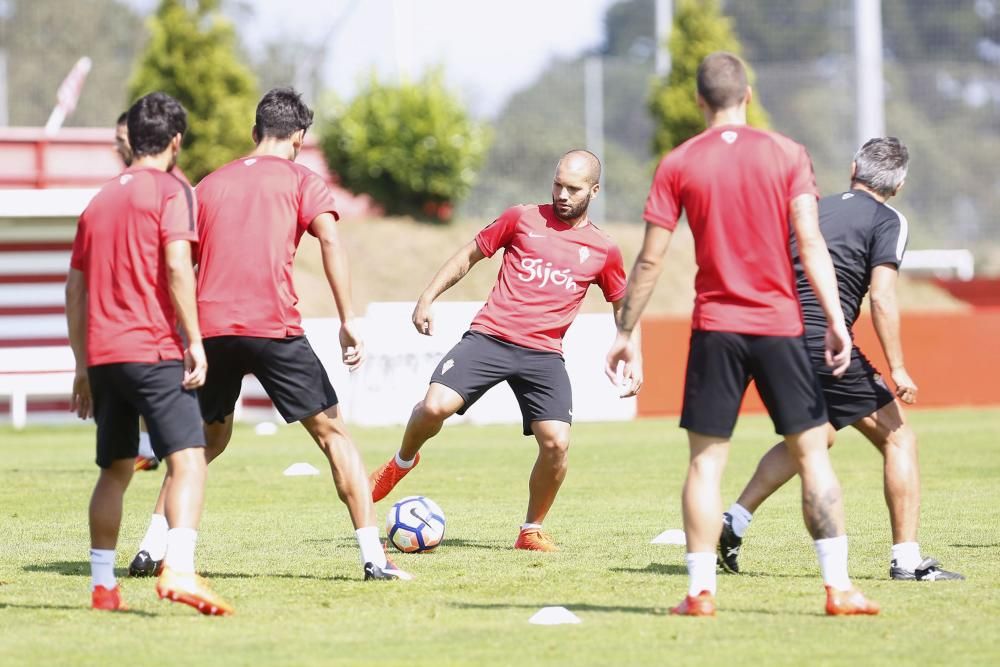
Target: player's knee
{"points": [[554, 445], [432, 409]]}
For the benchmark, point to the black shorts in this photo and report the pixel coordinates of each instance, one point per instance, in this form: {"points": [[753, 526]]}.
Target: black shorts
{"points": [[122, 392], [720, 366], [538, 378], [859, 392], [287, 368]]}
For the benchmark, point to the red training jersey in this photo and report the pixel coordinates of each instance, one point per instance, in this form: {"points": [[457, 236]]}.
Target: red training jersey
{"points": [[736, 184], [546, 270], [251, 215], [119, 246]]}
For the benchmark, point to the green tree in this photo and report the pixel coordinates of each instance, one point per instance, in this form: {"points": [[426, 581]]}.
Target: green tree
{"points": [[192, 55], [699, 29], [42, 39], [412, 147]]}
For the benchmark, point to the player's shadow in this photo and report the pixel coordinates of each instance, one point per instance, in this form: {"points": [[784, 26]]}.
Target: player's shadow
{"points": [[63, 607], [652, 568], [350, 542], [273, 575], [70, 568], [573, 607], [995, 545]]}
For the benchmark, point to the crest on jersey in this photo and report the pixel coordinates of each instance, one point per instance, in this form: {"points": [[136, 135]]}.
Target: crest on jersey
{"points": [[846, 195], [251, 162], [447, 366], [125, 178], [729, 136], [584, 254]]}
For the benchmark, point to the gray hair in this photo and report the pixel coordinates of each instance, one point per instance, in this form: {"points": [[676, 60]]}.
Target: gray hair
{"points": [[881, 165]]}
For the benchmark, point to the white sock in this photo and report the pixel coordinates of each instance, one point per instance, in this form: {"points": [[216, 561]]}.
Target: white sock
{"points": [[102, 568], [405, 465], [741, 518], [180, 549], [701, 572], [371, 546], [832, 554], [531, 526], [155, 541], [145, 447], [906, 555]]}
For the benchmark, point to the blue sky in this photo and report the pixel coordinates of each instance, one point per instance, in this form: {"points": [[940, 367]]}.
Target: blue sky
{"points": [[488, 49]]}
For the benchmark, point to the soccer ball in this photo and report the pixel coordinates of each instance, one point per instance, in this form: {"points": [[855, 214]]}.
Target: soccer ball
{"points": [[415, 524]]}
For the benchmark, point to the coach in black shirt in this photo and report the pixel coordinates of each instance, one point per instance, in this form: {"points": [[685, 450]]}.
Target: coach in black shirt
{"points": [[866, 238]]}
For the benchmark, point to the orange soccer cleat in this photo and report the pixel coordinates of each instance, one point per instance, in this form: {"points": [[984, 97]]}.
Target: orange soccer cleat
{"points": [[192, 590], [385, 479], [849, 603], [533, 539], [145, 463], [107, 599], [702, 604]]}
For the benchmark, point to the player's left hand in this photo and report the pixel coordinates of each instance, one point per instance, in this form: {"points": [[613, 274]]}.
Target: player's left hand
{"points": [[623, 351], [352, 346], [80, 401], [838, 348], [906, 388], [631, 378], [195, 366]]}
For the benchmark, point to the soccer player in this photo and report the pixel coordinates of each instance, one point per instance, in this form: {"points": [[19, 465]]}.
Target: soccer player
{"points": [[552, 254], [145, 459], [740, 188], [130, 281], [866, 238], [252, 214]]}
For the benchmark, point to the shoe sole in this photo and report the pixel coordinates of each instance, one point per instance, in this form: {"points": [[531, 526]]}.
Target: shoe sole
{"points": [[206, 608]]}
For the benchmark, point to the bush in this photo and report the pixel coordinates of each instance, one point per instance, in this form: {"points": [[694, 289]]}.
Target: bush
{"points": [[411, 147], [699, 29]]}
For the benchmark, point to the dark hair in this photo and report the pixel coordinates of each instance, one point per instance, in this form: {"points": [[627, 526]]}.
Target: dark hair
{"points": [[881, 165], [722, 80], [153, 121], [281, 113], [122, 119]]}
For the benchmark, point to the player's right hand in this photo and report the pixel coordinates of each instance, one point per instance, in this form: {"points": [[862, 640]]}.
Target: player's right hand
{"points": [[838, 348], [195, 366], [423, 318], [352, 347], [80, 402], [906, 388], [622, 351]]}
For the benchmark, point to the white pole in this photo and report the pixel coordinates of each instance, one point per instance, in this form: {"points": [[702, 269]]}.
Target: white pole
{"points": [[4, 115], [871, 83], [664, 22], [593, 98]]}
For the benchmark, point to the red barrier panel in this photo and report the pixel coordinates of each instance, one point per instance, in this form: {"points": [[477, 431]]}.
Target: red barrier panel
{"points": [[953, 357]]}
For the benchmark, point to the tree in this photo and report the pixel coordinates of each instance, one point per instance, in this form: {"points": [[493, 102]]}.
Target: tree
{"points": [[412, 147], [699, 29], [192, 55], [42, 39]]}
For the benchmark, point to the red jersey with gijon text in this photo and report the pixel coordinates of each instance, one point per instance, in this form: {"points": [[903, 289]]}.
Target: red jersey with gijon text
{"points": [[736, 183], [546, 269], [119, 247], [251, 216]]}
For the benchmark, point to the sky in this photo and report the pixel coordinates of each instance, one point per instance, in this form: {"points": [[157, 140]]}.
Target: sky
{"points": [[488, 50]]}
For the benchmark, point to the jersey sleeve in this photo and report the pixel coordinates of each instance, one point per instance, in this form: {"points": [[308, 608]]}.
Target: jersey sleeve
{"points": [[663, 205], [178, 218], [77, 258], [315, 198], [888, 242], [611, 279], [498, 233], [802, 179]]}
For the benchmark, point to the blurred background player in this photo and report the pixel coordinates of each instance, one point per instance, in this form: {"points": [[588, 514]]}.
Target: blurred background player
{"points": [[129, 359], [739, 187], [866, 238], [252, 214], [145, 459], [552, 254]]}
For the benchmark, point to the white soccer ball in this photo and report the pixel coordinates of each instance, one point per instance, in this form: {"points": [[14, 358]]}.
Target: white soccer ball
{"points": [[415, 524]]}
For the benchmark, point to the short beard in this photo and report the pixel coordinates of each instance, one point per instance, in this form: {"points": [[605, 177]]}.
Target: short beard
{"points": [[574, 213]]}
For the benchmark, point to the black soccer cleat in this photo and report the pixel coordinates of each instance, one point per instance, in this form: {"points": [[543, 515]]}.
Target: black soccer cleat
{"points": [[928, 570], [144, 566], [728, 551], [375, 573]]}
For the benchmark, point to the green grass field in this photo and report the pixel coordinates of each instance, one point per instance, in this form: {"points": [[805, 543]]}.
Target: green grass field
{"points": [[283, 551]]}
